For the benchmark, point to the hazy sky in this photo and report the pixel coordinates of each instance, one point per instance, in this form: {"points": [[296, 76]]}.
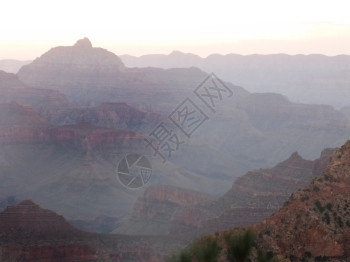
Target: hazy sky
{"points": [[29, 28]]}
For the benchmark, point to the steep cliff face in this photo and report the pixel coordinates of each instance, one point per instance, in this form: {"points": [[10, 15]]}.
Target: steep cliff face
{"points": [[259, 193], [270, 187], [313, 225], [315, 222]]}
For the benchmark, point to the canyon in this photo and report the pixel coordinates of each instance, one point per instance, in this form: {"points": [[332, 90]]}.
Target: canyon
{"points": [[165, 210]]}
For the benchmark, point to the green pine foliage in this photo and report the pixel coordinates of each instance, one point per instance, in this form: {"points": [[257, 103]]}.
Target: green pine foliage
{"points": [[240, 246]]}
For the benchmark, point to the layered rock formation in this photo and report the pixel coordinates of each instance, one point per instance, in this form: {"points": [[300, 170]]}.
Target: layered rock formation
{"points": [[253, 197], [162, 206], [55, 107], [270, 187], [247, 125], [315, 222], [20, 124], [48, 163], [88, 135], [259, 193], [247, 132]]}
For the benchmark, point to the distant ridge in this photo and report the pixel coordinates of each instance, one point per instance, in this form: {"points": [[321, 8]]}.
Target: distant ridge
{"points": [[310, 79], [12, 65]]}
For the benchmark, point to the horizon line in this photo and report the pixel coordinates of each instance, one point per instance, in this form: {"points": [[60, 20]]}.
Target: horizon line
{"points": [[199, 56]]}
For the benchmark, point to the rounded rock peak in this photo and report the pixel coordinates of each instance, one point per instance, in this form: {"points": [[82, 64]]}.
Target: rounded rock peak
{"points": [[83, 43]]}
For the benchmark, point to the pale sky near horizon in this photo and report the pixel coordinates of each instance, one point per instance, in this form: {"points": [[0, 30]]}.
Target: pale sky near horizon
{"points": [[136, 27]]}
